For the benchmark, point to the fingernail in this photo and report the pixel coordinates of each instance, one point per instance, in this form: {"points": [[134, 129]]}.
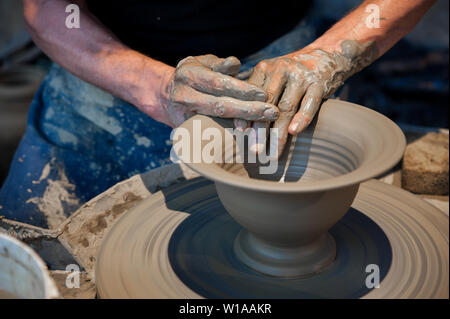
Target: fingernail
{"points": [[261, 96], [271, 114], [294, 127], [300, 125]]}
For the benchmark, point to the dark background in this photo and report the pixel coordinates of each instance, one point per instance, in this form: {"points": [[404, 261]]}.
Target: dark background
{"points": [[409, 84]]}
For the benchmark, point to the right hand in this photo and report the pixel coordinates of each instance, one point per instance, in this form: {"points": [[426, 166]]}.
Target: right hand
{"points": [[205, 85]]}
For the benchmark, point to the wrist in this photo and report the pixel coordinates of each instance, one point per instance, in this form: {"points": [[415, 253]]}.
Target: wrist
{"points": [[151, 95], [329, 45]]}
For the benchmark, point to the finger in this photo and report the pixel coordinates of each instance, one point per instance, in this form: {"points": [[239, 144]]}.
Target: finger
{"points": [[208, 60], [230, 65], [225, 106], [205, 80], [241, 124], [309, 107], [178, 114], [258, 137], [288, 106], [275, 86], [257, 78], [244, 75]]}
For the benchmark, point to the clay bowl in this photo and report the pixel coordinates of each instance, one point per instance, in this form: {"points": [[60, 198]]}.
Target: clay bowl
{"points": [[285, 224]]}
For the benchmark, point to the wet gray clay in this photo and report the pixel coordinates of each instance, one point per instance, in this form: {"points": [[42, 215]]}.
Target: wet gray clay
{"points": [[286, 215]]}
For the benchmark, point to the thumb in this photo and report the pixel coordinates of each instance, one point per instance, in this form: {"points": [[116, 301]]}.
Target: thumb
{"points": [[228, 66]]}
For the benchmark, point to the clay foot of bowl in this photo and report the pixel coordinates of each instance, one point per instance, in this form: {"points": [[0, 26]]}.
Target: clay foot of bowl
{"points": [[286, 214], [293, 262]]}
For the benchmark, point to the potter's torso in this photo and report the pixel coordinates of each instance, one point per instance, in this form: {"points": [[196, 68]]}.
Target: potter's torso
{"points": [[171, 30]]}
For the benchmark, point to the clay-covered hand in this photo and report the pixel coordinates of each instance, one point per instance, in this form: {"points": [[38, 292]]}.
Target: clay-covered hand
{"points": [[205, 84], [297, 83]]}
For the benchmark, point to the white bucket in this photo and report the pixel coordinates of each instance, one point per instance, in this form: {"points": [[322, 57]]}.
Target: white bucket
{"points": [[23, 274]]}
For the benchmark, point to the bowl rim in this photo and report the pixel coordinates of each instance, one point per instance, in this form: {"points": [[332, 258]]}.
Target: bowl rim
{"points": [[362, 173]]}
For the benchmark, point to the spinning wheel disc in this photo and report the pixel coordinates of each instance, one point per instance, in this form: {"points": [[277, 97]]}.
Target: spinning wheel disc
{"points": [[178, 244]]}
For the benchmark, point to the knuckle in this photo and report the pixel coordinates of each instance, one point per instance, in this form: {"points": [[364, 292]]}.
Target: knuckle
{"points": [[286, 60], [180, 96], [281, 63], [218, 82], [175, 96], [219, 108], [185, 61], [296, 77], [223, 83], [180, 73], [210, 56], [286, 105], [262, 65], [186, 72]]}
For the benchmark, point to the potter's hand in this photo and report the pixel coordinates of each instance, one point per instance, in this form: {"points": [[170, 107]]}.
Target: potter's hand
{"points": [[298, 82], [205, 85]]}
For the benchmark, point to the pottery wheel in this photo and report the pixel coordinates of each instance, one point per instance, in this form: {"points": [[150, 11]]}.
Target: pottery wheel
{"points": [[178, 244]]}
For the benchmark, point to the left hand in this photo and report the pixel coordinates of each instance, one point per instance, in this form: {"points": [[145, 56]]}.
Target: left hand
{"points": [[205, 85], [303, 78]]}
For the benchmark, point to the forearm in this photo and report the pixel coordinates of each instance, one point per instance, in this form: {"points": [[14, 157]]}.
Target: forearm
{"points": [[397, 18], [94, 54], [298, 82]]}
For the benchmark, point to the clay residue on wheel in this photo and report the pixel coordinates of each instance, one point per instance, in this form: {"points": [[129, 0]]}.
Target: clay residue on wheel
{"points": [[419, 267], [84, 233], [99, 223]]}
